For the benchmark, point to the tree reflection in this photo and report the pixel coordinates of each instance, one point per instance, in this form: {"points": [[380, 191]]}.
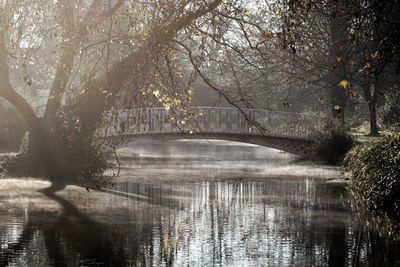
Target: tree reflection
{"points": [[278, 222], [72, 237]]}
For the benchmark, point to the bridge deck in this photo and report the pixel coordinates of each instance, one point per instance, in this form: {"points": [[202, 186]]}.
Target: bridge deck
{"points": [[223, 120]]}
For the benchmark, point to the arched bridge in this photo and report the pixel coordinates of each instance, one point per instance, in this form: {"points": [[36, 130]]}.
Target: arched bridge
{"points": [[290, 132]]}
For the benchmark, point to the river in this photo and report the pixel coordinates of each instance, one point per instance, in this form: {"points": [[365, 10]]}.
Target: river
{"points": [[192, 203]]}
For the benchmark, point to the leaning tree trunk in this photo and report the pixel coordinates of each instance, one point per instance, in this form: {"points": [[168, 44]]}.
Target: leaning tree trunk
{"points": [[64, 146], [57, 147]]}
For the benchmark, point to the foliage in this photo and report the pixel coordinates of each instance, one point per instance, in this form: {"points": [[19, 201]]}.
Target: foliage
{"points": [[108, 54], [361, 41], [80, 159], [391, 110], [331, 145], [375, 168], [381, 223], [391, 118], [129, 54], [24, 145], [344, 84], [73, 154]]}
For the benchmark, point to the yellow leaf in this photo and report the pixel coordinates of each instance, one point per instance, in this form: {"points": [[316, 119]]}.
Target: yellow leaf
{"points": [[200, 37], [156, 93], [375, 56], [344, 84]]}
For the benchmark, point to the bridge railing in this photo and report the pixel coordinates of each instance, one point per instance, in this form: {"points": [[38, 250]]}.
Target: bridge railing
{"points": [[215, 120]]}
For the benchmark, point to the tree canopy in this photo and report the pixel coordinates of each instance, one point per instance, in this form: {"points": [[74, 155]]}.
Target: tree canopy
{"points": [[65, 63]]}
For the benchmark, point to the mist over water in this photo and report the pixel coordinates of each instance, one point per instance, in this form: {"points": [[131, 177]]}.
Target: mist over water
{"points": [[188, 160], [192, 203]]}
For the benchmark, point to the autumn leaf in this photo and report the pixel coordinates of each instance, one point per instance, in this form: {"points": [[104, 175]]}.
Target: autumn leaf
{"points": [[200, 37], [340, 47], [339, 58], [265, 34], [338, 109], [375, 56], [28, 80], [156, 93], [353, 94], [243, 9], [344, 84]]}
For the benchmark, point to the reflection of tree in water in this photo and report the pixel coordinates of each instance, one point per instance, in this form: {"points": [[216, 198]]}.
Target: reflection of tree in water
{"points": [[275, 224], [72, 238], [281, 222]]}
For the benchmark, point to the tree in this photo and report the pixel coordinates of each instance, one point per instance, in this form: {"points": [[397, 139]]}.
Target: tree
{"points": [[361, 41], [96, 55], [66, 130], [376, 28]]}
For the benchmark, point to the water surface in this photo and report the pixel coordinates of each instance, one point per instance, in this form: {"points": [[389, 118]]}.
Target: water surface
{"points": [[192, 204]]}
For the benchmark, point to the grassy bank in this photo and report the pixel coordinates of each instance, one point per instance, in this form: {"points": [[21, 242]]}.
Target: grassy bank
{"points": [[375, 182], [375, 168]]}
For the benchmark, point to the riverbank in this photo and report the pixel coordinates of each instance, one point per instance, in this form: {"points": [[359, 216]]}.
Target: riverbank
{"points": [[375, 172]]}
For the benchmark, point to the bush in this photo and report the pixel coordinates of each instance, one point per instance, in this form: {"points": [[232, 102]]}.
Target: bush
{"points": [[390, 112], [332, 144], [375, 168]]}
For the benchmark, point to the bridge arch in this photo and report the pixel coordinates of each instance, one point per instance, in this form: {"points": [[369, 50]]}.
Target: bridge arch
{"points": [[298, 147], [286, 131]]}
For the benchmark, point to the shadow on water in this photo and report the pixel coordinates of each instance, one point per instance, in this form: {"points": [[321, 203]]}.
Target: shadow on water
{"points": [[70, 225], [71, 232], [286, 223]]}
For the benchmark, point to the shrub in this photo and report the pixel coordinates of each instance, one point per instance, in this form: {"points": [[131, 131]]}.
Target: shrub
{"points": [[390, 112], [375, 168], [331, 145]]}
